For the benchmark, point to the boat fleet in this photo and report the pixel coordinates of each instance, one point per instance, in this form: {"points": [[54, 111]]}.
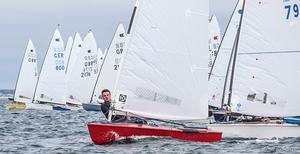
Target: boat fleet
{"points": [[162, 68]]}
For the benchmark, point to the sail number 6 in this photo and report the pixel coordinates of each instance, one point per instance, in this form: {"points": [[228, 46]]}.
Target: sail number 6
{"points": [[294, 8]]}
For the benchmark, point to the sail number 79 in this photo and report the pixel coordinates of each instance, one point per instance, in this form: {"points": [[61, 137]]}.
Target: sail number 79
{"points": [[294, 9]]}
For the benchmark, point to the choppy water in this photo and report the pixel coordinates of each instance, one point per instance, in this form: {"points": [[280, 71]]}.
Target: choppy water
{"points": [[34, 131]]}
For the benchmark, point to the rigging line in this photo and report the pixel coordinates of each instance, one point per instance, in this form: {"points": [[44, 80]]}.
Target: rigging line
{"points": [[235, 53], [227, 72], [268, 52]]}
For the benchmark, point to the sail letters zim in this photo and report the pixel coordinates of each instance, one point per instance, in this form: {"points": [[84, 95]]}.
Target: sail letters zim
{"points": [[150, 95]]}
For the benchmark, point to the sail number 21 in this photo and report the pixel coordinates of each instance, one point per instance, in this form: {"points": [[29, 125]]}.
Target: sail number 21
{"points": [[292, 9]]}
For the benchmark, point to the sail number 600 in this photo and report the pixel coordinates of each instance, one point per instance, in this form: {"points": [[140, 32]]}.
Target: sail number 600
{"points": [[295, 9]]}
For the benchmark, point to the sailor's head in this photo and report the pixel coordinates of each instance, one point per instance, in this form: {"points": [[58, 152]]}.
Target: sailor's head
{"points": [[105, 95]]}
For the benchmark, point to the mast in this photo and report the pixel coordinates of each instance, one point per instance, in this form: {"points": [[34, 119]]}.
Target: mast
{"points": [[128, 32], [235, 53], [132, 17], [227, 72]]}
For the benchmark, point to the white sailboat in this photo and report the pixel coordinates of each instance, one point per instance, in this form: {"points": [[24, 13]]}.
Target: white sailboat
{"points": [[164, 72], [214, 39], [51, 87], [264, 76], [27, 79], [110, 69], [82, 78]]}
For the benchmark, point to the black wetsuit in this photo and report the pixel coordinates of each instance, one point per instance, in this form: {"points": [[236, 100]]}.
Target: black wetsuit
{"points": [[115, 118], [105, 108]]}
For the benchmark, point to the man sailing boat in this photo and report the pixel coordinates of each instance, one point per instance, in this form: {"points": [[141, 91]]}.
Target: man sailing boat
{"points": [[105, 107]]}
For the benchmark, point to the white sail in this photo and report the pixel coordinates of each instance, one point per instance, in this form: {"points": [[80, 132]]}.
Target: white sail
{"points": [[218, 73], [68, 51], [75, 49], [110, 69], [266, 76], [164, 74], [214, 39], [83, 77], [51, 83], [28, 76]]}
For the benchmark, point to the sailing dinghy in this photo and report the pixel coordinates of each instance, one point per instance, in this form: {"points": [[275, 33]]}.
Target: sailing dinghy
{"points": [[262, 73], [83, 71], [27, 79], [110, 69], [51, 87], [150, 84]]}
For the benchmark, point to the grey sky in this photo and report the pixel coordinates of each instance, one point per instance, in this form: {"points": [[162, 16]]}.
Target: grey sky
{"points": [[37, 19]]}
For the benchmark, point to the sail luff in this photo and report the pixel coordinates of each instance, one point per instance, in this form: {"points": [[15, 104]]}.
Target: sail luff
{"points": [[24, 55], [68, 51]]}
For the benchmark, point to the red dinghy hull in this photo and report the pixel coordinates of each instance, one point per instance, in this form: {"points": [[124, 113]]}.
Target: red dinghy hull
{"points": [[102, 133]]}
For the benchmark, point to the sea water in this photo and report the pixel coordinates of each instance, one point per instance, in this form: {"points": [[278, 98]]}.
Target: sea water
{"points": [[37, 131]]}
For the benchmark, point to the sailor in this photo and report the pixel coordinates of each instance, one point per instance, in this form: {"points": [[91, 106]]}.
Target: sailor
{"points": [[105, 107]]}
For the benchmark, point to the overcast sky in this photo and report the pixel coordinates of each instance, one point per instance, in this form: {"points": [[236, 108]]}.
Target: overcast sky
{"points": [[21, 20]]}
